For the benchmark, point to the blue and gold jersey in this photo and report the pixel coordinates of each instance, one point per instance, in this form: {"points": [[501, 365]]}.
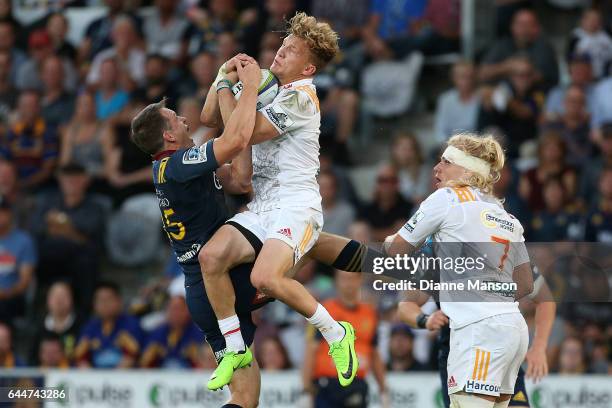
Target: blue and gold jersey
{"points": [[191, 202], [173, 348], [105, 345]]}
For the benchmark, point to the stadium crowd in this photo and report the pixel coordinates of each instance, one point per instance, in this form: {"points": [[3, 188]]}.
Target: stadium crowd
{"points": [[69, 175]]}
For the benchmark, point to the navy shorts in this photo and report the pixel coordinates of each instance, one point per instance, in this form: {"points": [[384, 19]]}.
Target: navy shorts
{"points": [[247, 300]]}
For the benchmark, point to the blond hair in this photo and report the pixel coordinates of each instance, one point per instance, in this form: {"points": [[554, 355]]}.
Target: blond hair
{"points": [[486, 148], [321, 39]]}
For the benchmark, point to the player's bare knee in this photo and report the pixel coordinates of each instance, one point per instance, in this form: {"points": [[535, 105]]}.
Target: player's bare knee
{"points": [[264, 283], [212, 259]]}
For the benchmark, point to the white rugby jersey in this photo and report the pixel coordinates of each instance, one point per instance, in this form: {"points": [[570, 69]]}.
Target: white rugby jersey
{"points": [[478, 225], [285, 167]]}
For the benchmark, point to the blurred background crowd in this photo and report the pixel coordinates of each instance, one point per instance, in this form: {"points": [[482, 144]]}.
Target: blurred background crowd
{"points": [[86, 275]]}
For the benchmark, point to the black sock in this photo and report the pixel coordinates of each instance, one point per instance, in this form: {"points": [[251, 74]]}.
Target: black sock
{"points": [[351, 257], [231, 406]]}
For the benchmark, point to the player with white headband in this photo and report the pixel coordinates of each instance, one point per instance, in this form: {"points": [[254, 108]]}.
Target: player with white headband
{"points": [[489, 336]]}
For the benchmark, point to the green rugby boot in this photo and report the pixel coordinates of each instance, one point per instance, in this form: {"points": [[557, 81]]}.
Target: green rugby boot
{"points": [[344, 355], [230, 362]]}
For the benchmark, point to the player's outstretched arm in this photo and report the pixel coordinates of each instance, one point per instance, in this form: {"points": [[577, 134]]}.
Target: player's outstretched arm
{"points": [[211, 114], [239, 128], [537, 364]]}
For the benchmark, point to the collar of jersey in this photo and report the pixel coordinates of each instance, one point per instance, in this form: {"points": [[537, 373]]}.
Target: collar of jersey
{"points": [[298, 83], [163, 154]]}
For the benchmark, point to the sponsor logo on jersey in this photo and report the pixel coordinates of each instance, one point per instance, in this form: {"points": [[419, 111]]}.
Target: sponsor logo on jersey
{"points": [[481, 387], [195, 155], [279, 117], [452, 382], [286, 232], [195, 248], [491, 221], [413, 221]]}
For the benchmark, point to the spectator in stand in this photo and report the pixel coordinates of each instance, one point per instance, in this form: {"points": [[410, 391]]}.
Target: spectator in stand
{"points": [[347, 17], [8, 358], [128, 169], [602, 107], [581, 75], [414, 174], [69, 229], [227, 47], [271, 17], [51, 353], [590, 173], [126, 50], [599, 219], [401, 343], [389, 210], [591, 39], [505, 11], [273, 355], [551, 163], [457, 109], [338, 214], [526, 40], [506, 188], [175, 344], [57, 103], [166, 31], [559, 220], [30, 143], [203, 72], [389, 27], [111, 339], [572, 358], [6, 14], [220, 16], [40, 48], [319, 376], [17, 263], [190, 109], [7, 44], [85, 139], [8, 93], [157, 84], [574, 127], [514, 106], [57, 27], [60, 321], [111, 96], [98, 32]]}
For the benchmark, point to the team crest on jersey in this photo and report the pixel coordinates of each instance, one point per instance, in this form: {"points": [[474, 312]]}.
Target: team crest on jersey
{"points": [[412, 222], [279, 117], [195, 155]]}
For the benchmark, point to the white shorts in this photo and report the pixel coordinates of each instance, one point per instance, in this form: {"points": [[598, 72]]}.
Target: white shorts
{"points": [[485, 356], [297, 227]]}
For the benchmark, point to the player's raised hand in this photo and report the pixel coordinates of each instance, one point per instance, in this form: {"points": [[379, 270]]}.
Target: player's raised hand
{"points": [[436, 320], [238, 59], [249, 74], [537, 366]]}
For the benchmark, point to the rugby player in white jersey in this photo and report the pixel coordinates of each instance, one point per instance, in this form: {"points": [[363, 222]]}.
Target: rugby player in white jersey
{"points": [[489, 336], [285, 213]]}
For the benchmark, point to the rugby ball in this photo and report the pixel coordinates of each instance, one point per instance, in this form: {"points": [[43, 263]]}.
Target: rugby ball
{"points": [[268, 88]]}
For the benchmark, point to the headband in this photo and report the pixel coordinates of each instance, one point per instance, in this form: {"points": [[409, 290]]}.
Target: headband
{"points": [[467, 161]]}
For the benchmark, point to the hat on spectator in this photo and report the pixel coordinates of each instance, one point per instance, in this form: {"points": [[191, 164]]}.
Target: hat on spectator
{"points": [[39, 38], [401, 328]]}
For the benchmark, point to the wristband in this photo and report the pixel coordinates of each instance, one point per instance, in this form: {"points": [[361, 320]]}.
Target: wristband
{"points": [[421, 320], [224, 83]]}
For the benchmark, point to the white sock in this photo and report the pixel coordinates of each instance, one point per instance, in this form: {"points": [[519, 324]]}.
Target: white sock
{"points": [[230, 328], [329, 328]]}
